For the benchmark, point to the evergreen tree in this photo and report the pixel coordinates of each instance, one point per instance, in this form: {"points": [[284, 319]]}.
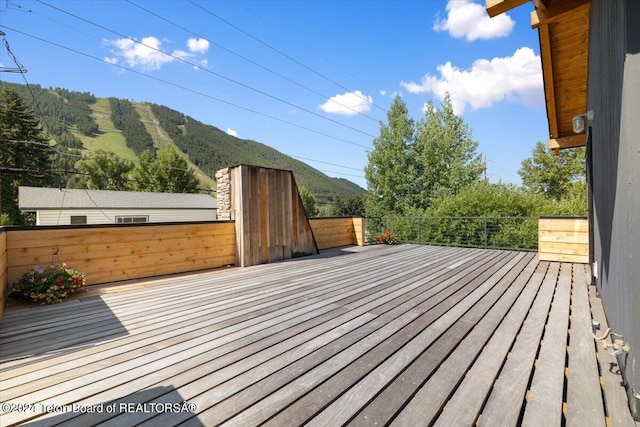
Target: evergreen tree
{"points": [[352, 206], [25, 153]]}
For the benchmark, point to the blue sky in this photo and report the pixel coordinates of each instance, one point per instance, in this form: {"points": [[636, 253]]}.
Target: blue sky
{"points": [[310, 78]]}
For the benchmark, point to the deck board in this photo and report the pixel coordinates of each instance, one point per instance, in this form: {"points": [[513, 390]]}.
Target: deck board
{"points": [[615, 400], [545, 400], [464, 407], [507, 397], [584, 397], [360, 336]]}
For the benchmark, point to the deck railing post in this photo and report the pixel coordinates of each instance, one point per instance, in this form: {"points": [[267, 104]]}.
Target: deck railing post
{"points": [[419, 229], [485, 232]]}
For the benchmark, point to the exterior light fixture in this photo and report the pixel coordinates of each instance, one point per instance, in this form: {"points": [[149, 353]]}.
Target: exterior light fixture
{"points": [[578, 121]]}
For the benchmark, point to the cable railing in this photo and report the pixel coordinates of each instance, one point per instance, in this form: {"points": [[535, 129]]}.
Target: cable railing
{"points": [[515, 233]]}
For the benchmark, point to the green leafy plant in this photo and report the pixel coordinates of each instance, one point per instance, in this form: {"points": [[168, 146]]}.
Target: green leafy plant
{"points": [[388, 238], [48, 285]]}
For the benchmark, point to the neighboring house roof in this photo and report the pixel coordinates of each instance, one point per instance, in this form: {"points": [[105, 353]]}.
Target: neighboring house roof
{"points": [[38, 198]]}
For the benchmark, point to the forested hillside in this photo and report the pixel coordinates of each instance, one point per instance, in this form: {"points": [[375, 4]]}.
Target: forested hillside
{"points": [[74, 120]]}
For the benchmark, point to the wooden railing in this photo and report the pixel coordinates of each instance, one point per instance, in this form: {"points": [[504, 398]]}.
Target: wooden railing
{"points": [[111, 253], [337, 232], [563, 239]]}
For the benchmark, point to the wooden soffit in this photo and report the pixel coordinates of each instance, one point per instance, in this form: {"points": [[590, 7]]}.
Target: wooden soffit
{"points": [[563, 31]]}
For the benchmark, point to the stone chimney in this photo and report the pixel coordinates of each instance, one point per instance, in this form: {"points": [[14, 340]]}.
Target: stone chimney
{"points": [[223, 178]]}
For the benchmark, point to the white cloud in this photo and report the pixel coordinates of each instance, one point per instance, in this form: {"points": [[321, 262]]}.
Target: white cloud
{"points": [[516, 78], [148, 53], [470, 20], [348, 104], [232, 132], [111, 60], [198, 45], [383, 92], [203, 64]]}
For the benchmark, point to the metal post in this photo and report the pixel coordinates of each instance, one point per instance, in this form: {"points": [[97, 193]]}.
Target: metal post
{"points": [[485, 232]]}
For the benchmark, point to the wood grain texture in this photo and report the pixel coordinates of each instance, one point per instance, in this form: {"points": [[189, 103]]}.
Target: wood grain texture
{"points": [[119, 253], [333, 232], [545, 401], [359, 335], [563, 239], [584, 397], [271, 223]]}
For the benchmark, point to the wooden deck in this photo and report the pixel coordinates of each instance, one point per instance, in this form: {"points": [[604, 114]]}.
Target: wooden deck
{"points": [[403, 335]]}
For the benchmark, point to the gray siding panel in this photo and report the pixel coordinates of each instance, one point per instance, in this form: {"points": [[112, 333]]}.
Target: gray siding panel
{"points": [[614, 96]]}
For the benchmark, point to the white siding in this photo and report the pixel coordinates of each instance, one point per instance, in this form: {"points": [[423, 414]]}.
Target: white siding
{"points": [[108, 216]]}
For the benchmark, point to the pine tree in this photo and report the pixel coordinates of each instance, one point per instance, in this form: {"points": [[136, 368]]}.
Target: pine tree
{"points": [[25, 153]]}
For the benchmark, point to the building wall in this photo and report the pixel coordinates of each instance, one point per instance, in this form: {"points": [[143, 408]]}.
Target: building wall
{"points": [[108, 216], [614, 96]]}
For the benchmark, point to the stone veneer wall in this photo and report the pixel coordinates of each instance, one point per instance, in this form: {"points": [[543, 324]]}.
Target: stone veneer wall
{"points": [[223, 178]]}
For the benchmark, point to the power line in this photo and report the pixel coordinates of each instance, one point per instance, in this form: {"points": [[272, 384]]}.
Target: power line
{"points": [[316, 53], [186, 89], [326, 163], [114, 156], [279, 51], [345, 174], [125, 179], [229, 79], [19, 69], [250, 60], [22, 73]]}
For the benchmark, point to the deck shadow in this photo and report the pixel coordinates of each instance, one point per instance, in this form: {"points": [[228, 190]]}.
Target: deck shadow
{"points": [[37, 332]]}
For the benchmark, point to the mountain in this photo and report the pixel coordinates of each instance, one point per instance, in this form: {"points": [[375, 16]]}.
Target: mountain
{"points": [[82, 122]]}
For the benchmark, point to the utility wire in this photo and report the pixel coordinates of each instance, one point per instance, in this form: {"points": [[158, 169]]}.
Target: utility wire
{"points": [[229, 79], [326, 163], [22, 73], [250, 60], [186, 88], [278, 51], [113, 155], [316, 53]]}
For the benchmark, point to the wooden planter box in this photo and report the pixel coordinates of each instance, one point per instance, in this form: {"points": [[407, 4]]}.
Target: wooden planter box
{"points": [[563, 239]]}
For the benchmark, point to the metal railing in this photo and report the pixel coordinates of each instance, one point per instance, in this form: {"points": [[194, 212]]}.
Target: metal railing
{"points": [[520, 233]]}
